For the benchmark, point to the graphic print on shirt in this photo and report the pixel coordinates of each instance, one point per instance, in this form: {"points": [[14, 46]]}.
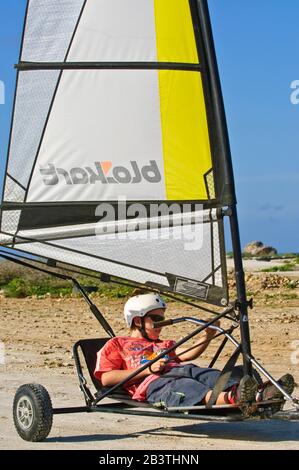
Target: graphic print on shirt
{"points": [[137, 355]]}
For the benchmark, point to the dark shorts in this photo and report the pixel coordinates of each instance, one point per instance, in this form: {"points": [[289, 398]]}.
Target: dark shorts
{"points": [[186, 385]]}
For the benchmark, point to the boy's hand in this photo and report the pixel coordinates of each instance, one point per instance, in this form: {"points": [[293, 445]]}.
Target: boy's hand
{"points": [[210, 332], [157, 367]]}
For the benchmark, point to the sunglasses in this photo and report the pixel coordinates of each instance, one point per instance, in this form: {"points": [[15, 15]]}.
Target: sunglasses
{"points": [[156, 318]]}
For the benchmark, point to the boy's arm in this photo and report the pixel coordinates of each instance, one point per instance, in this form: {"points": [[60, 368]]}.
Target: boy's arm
{"points": [[199, 347], [113, 377]]}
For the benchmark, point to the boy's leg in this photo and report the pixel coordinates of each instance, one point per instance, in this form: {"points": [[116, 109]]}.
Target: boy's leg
{"points": [[243, 392], [221, 400], [268, 391], [251, 391], [176, 391]]}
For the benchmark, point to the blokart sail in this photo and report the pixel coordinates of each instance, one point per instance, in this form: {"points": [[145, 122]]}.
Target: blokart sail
{"points": [[119, 162], [114, 117]]}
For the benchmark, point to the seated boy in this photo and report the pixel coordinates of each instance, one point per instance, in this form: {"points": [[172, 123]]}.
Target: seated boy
{"points": [[168, 381]]}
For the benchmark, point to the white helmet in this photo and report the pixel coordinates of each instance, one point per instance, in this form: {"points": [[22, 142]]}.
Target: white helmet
{"points": [[140, 305]]}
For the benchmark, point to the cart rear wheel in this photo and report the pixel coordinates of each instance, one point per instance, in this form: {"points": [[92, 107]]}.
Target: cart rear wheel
{"points": [[32, 412]]}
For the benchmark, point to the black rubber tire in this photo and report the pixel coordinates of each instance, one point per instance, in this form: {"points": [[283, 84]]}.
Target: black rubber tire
{"points": [[34, 428]]}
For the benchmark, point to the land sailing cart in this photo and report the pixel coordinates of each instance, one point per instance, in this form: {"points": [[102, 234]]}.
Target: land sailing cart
{"points": [[119, 167]]}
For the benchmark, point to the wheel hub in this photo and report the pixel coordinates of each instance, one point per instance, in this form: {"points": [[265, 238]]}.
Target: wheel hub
{"points": [[25, 412]]}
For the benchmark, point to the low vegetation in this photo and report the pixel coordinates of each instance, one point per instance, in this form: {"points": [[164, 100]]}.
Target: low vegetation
{"points": [[294, 257], [19, 282], [281, 268]]}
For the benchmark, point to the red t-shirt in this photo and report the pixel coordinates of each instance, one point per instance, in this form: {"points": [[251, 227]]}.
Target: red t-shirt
{"points": [[126, 353]]}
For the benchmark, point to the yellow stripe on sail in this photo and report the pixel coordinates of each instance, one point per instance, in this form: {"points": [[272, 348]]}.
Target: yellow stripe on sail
{"points": [[174, 31], [186, 146]]}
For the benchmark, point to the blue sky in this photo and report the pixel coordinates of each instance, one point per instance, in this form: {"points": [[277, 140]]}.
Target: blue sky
{"points": [[257, 45]]}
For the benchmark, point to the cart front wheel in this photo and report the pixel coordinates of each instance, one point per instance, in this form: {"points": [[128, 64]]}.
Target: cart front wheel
{"points": [[32, 412]]}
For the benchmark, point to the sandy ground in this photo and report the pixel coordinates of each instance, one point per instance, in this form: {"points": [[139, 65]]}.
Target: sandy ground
{"points": [[38, 335]]}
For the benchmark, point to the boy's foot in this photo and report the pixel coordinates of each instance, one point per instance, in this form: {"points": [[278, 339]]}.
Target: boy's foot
{"points": [[243, 392], [268, 391]]}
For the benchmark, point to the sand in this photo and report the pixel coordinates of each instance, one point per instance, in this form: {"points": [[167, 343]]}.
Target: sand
{"points": [[38, 335]]}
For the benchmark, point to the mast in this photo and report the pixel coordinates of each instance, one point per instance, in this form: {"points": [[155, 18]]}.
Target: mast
{"points": [[211, 74]]}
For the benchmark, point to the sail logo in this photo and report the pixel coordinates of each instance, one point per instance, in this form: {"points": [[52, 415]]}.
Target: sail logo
{"points": [[102, 172]]}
